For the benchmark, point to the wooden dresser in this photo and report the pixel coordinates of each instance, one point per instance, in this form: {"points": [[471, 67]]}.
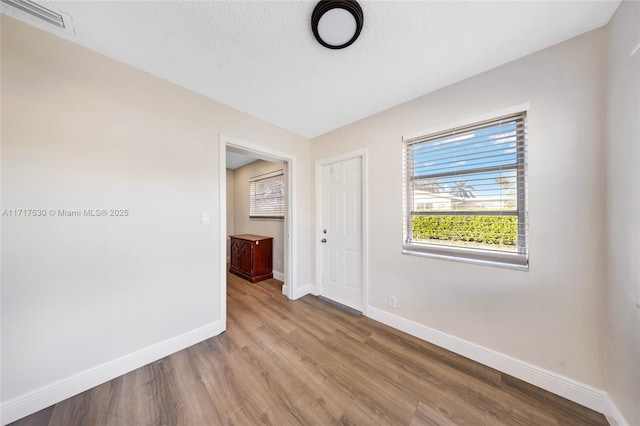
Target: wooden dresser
{"points": [[252, 257]]}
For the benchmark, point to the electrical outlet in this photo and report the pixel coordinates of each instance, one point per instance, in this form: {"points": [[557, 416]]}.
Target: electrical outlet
{"points": [[392, 301], [279, 265]]}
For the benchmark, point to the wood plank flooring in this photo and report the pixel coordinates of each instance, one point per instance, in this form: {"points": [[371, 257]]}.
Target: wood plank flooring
{"points": [[307, 362]]}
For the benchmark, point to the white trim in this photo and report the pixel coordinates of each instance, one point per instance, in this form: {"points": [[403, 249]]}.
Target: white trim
{"points": [[458, 254], [269, 175], [570, 389], [365, 231], [303, 291], [222, 276], [364, 176], [612, 413], [278, 276], [318, 233], [291, 243], [60, 390], [467, 121], [290, 221]]}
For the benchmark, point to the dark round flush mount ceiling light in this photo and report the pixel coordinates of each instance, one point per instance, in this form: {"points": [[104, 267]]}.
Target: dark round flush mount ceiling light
{"points": [[336, 24]]}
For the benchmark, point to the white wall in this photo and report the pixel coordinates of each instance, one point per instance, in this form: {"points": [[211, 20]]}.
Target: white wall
{"points": [[623, 198], [551, 316], [244, 225], [230, 208], [80, 130]]}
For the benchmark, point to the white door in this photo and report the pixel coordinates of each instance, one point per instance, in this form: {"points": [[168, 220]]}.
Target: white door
{"points": [[342, 241]]}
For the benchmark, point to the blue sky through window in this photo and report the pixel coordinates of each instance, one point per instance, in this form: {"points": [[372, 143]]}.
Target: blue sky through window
{"points": [[485, 159]]}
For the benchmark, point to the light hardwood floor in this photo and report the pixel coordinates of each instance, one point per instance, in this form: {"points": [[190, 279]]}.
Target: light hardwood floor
{"points": [[305, 362]]}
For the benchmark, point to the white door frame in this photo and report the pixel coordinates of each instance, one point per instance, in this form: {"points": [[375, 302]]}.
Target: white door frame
{"points": [[290, 220], [362, 154]]}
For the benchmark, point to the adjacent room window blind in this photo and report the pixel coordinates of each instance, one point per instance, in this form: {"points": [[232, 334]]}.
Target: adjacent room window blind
{"points": [[266, 196], [465, 192]]}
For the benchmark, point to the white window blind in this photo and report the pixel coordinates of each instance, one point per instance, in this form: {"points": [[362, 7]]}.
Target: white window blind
{"points": [[465, 192], [266, 196]]}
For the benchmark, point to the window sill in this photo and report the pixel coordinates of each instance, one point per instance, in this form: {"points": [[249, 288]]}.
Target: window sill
{"points": [[280, 218], [458, 254]]}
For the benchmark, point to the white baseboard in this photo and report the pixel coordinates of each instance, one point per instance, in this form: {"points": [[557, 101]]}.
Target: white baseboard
{"points": [[303, 291], [278, 276], [53, 393], [570, 389], [613, 415]]}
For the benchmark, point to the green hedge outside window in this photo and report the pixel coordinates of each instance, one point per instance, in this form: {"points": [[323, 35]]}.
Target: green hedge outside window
{"points": [[493, 230]]}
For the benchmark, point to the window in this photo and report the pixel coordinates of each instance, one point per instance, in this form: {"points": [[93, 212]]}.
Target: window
{"points": [[465, 193], [266, 196]]}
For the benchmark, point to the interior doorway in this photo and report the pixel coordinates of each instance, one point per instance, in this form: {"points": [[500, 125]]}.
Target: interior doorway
{"points": [[262, 164], [342, 232], [341, 270]]}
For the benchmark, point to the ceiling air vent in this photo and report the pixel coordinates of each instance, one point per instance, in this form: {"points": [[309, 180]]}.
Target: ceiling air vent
{"points": [[39, 16], [38, 11]]}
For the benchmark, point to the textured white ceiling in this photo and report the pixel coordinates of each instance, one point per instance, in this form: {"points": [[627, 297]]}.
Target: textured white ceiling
{"points": [[261, 57]]}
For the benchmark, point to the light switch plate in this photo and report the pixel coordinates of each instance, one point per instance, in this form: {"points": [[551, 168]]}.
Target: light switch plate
{"points": [[204, 218]]}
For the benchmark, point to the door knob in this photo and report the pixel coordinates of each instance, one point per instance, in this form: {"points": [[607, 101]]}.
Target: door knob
{"points": [[324, 240]]}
